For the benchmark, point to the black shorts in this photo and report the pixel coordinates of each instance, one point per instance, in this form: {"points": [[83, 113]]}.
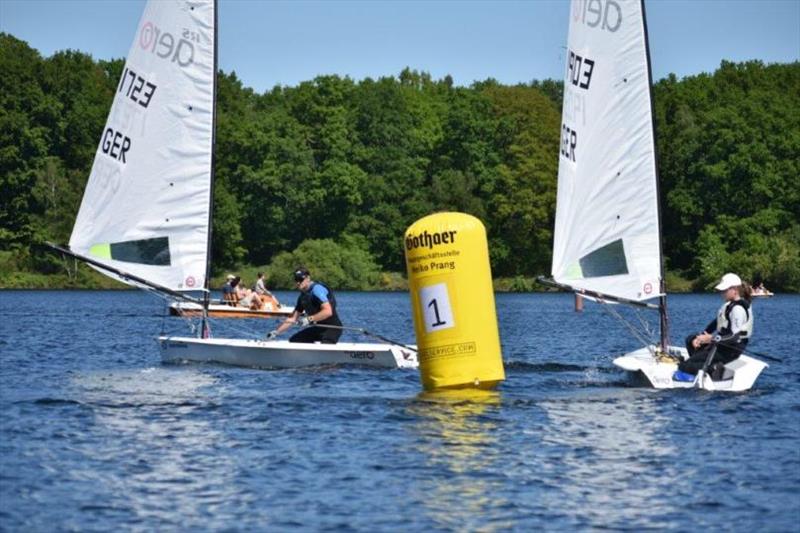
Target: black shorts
{"points": [[317, 334]]}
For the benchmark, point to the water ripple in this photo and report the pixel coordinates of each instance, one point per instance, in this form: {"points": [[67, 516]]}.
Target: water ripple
{"points": [[97, 434]]}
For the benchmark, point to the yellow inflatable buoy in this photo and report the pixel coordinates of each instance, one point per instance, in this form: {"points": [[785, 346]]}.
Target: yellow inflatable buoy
{"points": [[447, 259]]}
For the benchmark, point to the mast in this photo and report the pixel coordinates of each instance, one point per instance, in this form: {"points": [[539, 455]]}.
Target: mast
{"points": [[662, 302], [204, 331]]}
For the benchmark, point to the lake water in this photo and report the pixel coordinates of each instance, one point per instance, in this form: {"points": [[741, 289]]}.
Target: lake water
{"points": [[97, 434]]}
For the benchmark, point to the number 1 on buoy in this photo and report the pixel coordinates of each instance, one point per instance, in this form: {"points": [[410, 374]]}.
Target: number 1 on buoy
{"points": [[435, 302]]}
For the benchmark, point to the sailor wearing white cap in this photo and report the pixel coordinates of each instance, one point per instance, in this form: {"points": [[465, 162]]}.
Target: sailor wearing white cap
{"points": [[734, 325]]}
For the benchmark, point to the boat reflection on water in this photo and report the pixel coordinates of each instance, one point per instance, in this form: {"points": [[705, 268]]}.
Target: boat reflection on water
{"points": [[456, 430], [612, 461]]}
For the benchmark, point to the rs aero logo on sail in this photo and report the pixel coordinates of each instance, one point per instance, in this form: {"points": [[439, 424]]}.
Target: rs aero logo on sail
{"points": [[605, 14], [165, 45]]}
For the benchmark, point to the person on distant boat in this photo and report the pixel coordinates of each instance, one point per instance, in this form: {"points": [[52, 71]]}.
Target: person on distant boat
{"points": [[239, 290], [318, 304], [760, 290], [244, 296], [731, 331], [229, 291], [268, 300]]}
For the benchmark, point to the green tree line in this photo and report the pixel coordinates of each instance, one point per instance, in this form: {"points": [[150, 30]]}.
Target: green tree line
{"points": [[331, 172]]}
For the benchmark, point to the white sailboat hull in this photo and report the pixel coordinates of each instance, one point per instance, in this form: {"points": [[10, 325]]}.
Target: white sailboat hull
{"points": [[283, 354], [740, 374]]}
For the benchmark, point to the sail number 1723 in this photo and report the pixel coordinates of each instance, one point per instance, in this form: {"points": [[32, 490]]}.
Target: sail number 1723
{"points": [[136, 87]]}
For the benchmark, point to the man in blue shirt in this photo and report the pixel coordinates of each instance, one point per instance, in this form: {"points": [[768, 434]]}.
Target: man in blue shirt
{"points": [[318, 304]]}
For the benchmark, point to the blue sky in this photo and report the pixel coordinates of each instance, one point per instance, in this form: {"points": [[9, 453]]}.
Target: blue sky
{"points": [[280, 42]]}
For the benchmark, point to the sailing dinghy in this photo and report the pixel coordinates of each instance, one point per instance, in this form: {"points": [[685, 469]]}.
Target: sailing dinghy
{"points": [[607, 240], [145, 218]]}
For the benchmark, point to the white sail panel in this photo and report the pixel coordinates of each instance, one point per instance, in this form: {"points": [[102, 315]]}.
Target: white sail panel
{"points": [[145, 209], [607, 230]]}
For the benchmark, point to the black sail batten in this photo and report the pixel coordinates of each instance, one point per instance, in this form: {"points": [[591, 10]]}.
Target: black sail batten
{"points": [[662, 305], [153, 251], [125, 275], [594, 294]]}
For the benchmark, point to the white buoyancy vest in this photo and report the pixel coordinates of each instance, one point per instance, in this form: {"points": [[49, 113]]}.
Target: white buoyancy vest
{"points": [[723, 319]]}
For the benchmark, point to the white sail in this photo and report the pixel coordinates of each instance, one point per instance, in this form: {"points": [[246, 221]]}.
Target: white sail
{"points": [[607, 230], [146, 206]]}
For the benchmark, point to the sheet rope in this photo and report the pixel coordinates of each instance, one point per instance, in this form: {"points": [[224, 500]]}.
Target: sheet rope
{"points": [[637, 334]]}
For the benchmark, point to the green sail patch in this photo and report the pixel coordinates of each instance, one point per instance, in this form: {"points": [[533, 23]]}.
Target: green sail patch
{"points": [[101, 251]]}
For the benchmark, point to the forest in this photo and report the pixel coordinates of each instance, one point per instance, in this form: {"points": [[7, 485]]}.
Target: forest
{"points": [[331, 172]]}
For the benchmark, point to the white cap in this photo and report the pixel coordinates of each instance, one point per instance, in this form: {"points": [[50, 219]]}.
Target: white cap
{"points": [[728, 280], [230, 276]]}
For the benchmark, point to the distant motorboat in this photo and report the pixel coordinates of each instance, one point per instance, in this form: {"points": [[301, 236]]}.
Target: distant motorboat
{"points": [[761, 292], [192, 309]]}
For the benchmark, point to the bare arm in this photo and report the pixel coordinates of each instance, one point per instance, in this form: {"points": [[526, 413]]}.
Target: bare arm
{"points": [[289, 322]]}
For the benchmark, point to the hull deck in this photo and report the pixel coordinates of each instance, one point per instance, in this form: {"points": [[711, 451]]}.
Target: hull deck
{"points": [[284, 354], [740, 374]]}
